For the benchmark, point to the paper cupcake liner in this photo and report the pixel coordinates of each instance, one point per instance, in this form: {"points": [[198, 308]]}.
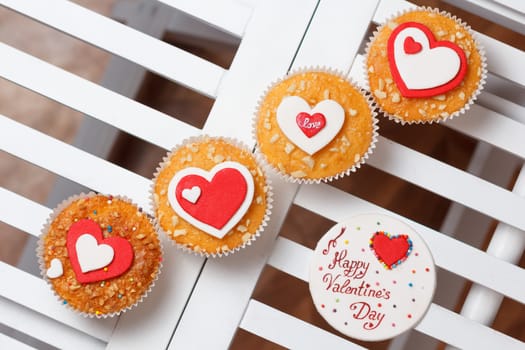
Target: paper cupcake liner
{"points": [[480, 48], [368, 98], [268, 185], [43, 270]]}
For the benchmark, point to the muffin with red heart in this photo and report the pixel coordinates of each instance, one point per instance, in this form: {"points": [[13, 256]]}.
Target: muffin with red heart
{"points": [[101, 254], [211, 196], [424, 66], [315, 125]]}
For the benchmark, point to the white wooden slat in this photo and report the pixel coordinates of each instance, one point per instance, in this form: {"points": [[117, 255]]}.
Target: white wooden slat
{"points": [[449, 254], [501, 58], [159, 57], [230, 16], [287, 254], [240, 272], [171, 292], [463, 333], [45, 329], [12, 344], [317, 47], [289, 331], [93, 100], [72, 163], [448, 182], [14, 209], [152, 324], [479, 122], [34, 293]]}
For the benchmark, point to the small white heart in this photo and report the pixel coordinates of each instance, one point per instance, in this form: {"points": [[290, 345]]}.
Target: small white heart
{"points": [[55, 269], [192, 194], [287, 113], [91, 255]]}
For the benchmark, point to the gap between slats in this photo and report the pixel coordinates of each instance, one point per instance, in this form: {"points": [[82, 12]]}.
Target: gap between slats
{"points": [[91, 99], [155, 55], [216, 13]]}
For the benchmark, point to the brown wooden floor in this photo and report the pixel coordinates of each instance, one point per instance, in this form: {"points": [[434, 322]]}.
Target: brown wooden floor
{"points": [[274, 288]]}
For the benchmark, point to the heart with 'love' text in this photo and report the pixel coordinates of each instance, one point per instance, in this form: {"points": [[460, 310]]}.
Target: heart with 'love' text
{"points": [[420, 65], [213, 201], [390, 250], [93, 257], [308, 128]]}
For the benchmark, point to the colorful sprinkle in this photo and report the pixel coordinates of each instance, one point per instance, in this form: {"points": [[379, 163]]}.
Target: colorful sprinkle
{"points": [[413, 271], [102, 284], [119, 296], [413, 300], [378, 223], [394, 306], [95, 212], [363, 250], [97, 312], [377, 271], [393, 324], [133, 228], [358, 228], [410, 284], [322, 306], [346, 323], [427, 269], [409, 316], [416, 254], [394, 281], [379, 305], [320, 268], [105, 269], [109, 228], [334, 310], [377, 283], [64, 302], [346, 241], [337, 300], [131, 279]]}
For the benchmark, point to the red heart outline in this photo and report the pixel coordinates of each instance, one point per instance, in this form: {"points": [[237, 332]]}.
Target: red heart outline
{"points": [[303, 118], [123, 252], [391, 251], [405, 91], [220, 198]]}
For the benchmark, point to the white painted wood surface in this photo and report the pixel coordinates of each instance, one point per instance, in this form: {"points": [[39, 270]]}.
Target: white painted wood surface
{"points": [[193, 293]]}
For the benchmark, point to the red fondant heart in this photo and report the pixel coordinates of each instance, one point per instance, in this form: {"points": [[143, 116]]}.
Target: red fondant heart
{"points": [[310, 125], [122, 259], [390, 250], [219, 198], [411, 46]]}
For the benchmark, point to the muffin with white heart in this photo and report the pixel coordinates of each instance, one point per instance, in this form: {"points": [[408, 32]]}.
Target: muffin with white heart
{"points": [[315, 125], [424, 66], [101, 254], [211, 196]]}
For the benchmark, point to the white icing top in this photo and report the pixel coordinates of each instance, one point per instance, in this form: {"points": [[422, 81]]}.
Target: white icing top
{"points": [[354, 291]]}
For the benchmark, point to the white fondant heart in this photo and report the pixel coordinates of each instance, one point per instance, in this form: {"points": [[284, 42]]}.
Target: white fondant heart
{"points": [[91, 255], [428, 68], [208, 176], [55, 269], [192, 194], [287, 113]]}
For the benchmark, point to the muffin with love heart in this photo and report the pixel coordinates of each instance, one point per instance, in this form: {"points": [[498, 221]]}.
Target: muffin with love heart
{"points": [[101, 254], [424, 66], [315, 125], [211, 196]]}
